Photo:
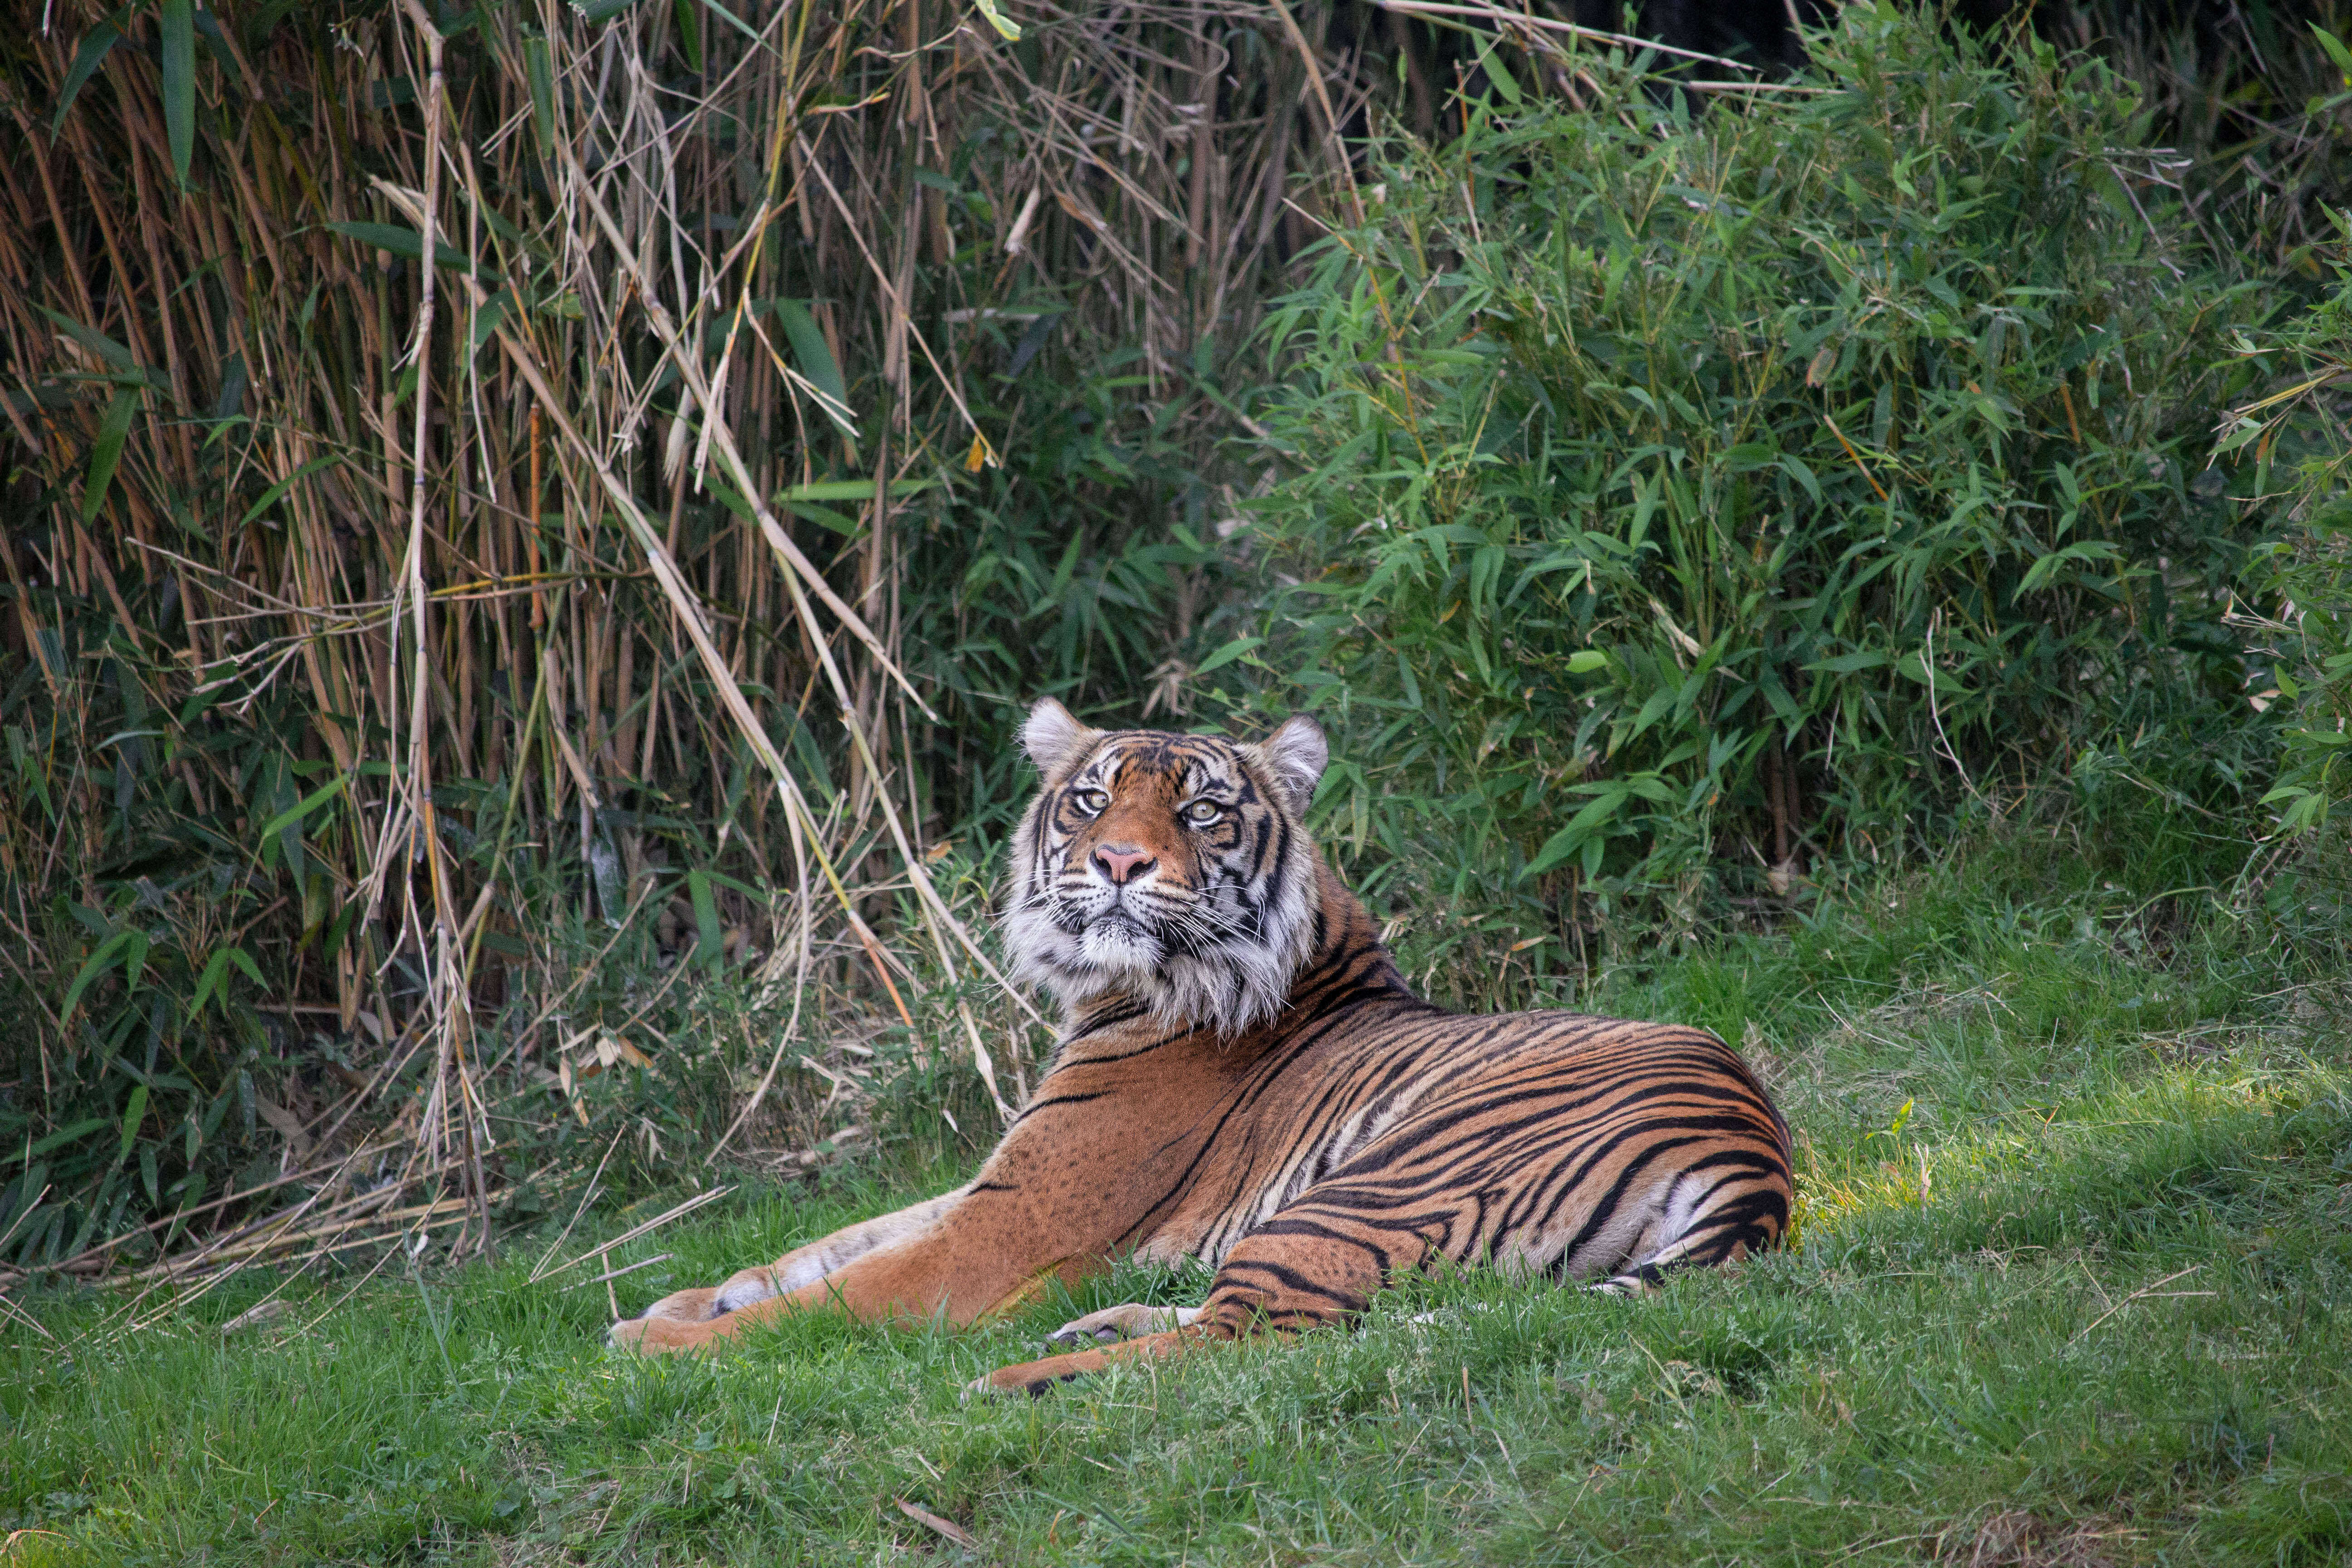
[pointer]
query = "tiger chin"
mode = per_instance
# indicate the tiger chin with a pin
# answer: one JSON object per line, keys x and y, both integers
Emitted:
{"x": 1244, "y": 1079}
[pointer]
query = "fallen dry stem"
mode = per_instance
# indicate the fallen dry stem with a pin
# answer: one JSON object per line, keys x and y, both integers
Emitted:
{"x": 689, "y": 1206}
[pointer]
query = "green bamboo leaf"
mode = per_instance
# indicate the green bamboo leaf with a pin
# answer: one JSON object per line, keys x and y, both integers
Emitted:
{"x": 53, "y": 653}
{"x": 2336, "y": 51}
{"x": 270, "y": 497}
{"x": 486, "y": 320}
{"x": 1847, "y": 663}
{"x": 541, "y": 72}
{"x": 86, "y": 59}
{"x": 130, "y": 1118}
{"x": 215, "y": 970}
{"x": 180, "y": 83}
{"x": 721, "y": 879}
{"x": 302, "y": 809}
{"x": 107, "y": 451}
{"x": 731, "y": 499}
{"x": 1490, "y": 61}
{"x": 81, "y": 1129}
{"x": 96, "y": 342}
{"x": 733, "y": 21}
{"x": 1227, "y": 654}
{"x": 708, "y": 939}
{"x": 97, "y": 963}
{"x": 825, "y": 517}
{"x": 999, "y": 20}
{"x": 850, "y": 489}
{"x": 401, "y": 241}
{"x": 230, "y": 401}
{"x": 816, "y": 362}
{"x": 1558, "y": 848}
{"x": 1584, "y": 832}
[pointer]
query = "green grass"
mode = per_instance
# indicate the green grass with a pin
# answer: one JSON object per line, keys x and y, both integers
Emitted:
{"x": 2085, "y": 1301}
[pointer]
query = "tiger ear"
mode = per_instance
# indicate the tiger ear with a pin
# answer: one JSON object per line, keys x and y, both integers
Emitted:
{"x": 1296, "y": 754}
{"x": 1053, "y": 739}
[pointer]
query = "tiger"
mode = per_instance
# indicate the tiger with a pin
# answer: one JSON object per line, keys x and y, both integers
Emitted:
{"x": 1243, "y": 1078}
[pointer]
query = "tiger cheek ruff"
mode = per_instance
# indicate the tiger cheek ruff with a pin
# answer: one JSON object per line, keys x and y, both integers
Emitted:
{"x": 1244, "y": 1079}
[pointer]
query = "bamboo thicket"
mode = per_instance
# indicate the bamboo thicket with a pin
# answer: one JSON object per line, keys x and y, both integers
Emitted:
{"x": 390, "y": 642}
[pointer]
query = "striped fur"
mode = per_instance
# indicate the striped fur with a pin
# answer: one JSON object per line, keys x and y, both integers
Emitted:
{"x": 1310, "y": 1149}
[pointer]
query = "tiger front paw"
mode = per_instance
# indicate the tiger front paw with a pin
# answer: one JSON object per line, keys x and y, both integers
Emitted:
{"x": 683, "y": 1320}
{"x": 667, "y": 1334}
{"x": 1130, "y": 1320}
{"x": 1035, "y": 1377}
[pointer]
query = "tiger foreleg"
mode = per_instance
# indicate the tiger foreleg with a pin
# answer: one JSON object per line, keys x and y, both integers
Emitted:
{"x": 952, "y": 1274}
{"x": 802, "y": 1266}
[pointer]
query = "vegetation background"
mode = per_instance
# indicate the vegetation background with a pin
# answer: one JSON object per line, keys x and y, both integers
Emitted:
{"x": 523, "y": 741}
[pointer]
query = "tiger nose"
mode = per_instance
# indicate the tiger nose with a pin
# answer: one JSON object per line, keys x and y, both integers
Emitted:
{"x": 1123, "y": 866}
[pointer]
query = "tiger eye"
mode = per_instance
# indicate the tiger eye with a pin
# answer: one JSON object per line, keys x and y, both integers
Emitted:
{"x": 1203, "y": 811}
{"x": 1093, "y": 800}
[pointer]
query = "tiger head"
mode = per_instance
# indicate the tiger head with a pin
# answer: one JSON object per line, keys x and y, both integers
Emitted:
{"x": 1171, "y": 869}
